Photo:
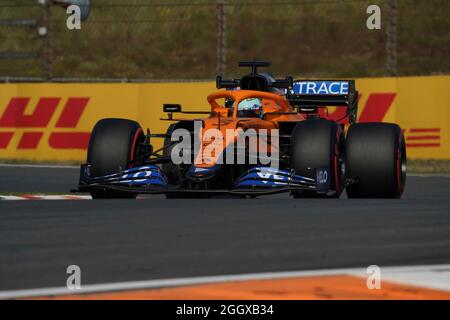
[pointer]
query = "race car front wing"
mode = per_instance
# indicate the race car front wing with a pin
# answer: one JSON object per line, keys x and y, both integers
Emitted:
{"x": 150, "y": 179}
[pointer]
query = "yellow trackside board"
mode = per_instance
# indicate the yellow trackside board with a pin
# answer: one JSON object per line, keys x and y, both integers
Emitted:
{"x": 52, "y": 122}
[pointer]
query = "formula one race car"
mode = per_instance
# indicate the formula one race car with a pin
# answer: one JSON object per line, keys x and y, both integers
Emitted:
{"x": 261, "y": 136}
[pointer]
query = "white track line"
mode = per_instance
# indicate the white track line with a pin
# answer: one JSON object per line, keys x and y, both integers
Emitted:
{"x": 23, "y": 197}
{"x": 45, "y": 197}
{"x": 437, "y": 277}
{"x": 428, "y": 276}
{"x": 11, "y": 198}
{"x": 46, "y": 166}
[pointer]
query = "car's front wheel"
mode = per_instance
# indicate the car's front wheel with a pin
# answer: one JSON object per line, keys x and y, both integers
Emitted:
{"x": 113, "y": 147}
{"x": 318, "y": 143}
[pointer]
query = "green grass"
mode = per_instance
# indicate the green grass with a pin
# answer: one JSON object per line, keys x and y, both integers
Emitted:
{"x": 178, "y": 40}
{"x": 428, "y": 166}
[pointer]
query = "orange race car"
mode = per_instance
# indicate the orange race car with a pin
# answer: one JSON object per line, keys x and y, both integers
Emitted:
{"x": 261, "y": 136}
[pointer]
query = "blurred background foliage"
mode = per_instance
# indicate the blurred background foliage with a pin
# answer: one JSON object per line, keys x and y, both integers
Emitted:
{"x": 178, "y": 39}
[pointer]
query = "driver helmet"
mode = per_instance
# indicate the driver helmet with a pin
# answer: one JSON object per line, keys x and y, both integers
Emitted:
{"x": 250, "y": 108}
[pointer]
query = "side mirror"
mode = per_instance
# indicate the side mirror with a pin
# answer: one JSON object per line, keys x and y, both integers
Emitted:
{"x": 228, "y": 84}
{"x": 85, "y": 6}
{"x": 171, "y": 107}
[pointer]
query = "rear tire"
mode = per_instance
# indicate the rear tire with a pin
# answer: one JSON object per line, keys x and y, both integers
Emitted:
{"x": 112, "y": 146}
{"x": 375, "y": 160}
{"x": 318, "y": 143}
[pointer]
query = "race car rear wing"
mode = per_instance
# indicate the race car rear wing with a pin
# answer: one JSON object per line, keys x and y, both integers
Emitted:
{"x": 310, "y": 94}
{"x": 254, "y": 80}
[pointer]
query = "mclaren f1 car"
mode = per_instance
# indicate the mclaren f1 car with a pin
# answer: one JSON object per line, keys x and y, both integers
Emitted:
{"x": 260, "y": 136}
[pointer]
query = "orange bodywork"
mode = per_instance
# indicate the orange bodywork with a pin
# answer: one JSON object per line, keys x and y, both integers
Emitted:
{"x": 275, "y": 108}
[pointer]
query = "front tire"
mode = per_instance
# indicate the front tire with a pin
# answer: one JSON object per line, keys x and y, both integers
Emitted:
{"x": 113, "y": 146}
{"x": 375, "y": 160}
{"x": 171, "y": 170}
{"x": 318, "y": 143}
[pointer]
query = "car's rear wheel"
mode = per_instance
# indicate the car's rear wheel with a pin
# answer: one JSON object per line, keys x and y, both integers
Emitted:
{"x": 318, "y": 143}
{"x": 375, "y": 160}
{"x": 113, "y": 147}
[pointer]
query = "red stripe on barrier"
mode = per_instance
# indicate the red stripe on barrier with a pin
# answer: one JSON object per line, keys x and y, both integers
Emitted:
{"x": 416, "y": 145}
{"x": 30, "y": 140}
{"x": 423, "y": 138}
{"x": 69, "y": 140}
{"x": 15, "y": 117}
{"x": 377, "y": 106}
{"x": 425, "y": 130}
{"x": 72, "y": 112}
{"x": 5, "y": 139}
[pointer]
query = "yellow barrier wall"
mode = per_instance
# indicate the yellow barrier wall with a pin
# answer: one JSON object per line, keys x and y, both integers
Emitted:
{"x": 421, "y": 107}
{"x": 48, "y": 122}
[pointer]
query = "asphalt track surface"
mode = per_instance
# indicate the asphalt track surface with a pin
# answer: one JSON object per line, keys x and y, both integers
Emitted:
{"x": 155, "y": 238}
